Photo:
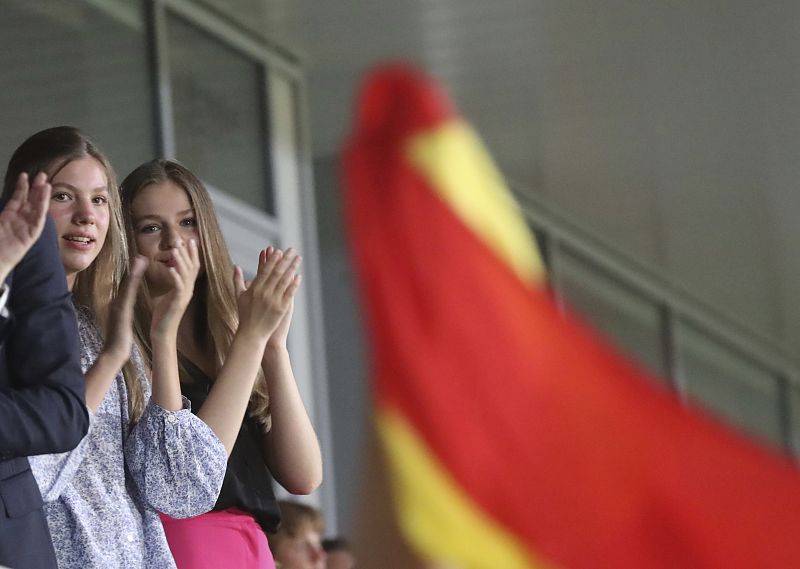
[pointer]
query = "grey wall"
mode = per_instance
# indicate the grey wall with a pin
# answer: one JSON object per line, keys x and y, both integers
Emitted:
{"x": 668, "y": 130}
{"x": 345, "y": 354}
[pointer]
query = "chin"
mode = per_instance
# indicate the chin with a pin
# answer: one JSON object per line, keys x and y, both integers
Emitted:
{"x": 76, "y": 268}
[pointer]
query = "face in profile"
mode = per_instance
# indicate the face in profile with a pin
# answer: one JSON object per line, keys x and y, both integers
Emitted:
{"x": 79, "y": 207}
{"x": 163, "y": 218}
{"x": 302, "y": 550}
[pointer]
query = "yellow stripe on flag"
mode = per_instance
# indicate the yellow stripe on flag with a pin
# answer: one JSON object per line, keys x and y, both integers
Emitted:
{"x": 440, "y": 521}
{"x": 453, "y": 159}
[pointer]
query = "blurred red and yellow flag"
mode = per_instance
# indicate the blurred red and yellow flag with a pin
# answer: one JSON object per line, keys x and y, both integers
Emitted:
{"x": 514, "y": 438}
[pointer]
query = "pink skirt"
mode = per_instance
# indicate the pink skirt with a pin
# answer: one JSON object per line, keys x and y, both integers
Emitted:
{"x": 218, "y": 540}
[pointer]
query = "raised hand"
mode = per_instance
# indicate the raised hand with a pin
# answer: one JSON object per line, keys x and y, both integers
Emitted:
{"x": 280, "y": 336}
{"x": 22, "y": 220}
{"x": 118, "y": 338}
{"x": 265, "y": 306}
{"x": 169, "y": 308}
{"x": 119, "y": 328}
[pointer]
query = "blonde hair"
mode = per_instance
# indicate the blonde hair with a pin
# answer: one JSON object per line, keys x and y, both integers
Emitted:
{"x": 214, "y": 299}
{"x": 49, "y": 151}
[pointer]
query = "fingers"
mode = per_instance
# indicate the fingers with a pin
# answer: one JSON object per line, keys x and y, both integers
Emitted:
{"x": 289, "y": 273}
{"x": 277, "y": 274}
{"x": 177, "y": 281}
{"x": 267, "y": 259}
{"x": 127, "y": 293}
{"x": 120, "y": 320}
{"x": 194, "y": 253}
{"x": 187, "y": 262}
{"x": 20, "y": 190}
{"x": 288, "y": 294}
{"x": 31, "y": 200}
{"x": 138, "y": 267}
{"x": 284, "y": 270}
{"x": 20, "y": 195}
{"x": 135, "y": 278}
{"x": 276, "y": 269}
{"x": 39, "y": 199}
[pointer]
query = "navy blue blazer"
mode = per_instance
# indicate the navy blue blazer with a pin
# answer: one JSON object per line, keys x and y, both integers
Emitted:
{"x": 42, "y": 395}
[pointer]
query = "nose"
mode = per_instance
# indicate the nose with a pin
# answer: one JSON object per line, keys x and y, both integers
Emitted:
{"x": 170, "y": 238}
{"x": 318, "y": 554}
{"x": 84, "y": 213}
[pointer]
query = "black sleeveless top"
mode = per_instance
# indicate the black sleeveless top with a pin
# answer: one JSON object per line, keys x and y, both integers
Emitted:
{"x": 248, "y": 483}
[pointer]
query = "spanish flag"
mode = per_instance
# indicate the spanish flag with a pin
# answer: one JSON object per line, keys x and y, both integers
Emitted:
{"x": 514, "y": 437}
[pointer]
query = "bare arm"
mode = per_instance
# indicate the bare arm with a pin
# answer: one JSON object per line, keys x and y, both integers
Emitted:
{"x": 167, "y": 314}
{"x": 226, "y": 404}
{"x": 291, "y": 446}
{"x": 261, "y": 308}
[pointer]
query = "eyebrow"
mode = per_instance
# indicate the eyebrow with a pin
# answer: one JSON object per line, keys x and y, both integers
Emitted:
{"x": 158, "y": 217}
{"x": 76, "y": 189}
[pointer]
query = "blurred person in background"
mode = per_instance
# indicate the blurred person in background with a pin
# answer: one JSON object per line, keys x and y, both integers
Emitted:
{"x": 297, "y": 543}
{"x": 339, "y": 553}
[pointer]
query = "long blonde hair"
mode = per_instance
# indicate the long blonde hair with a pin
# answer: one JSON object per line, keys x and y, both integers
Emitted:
{"x": 214, "y": 299}
{"x": 49, "y": 151}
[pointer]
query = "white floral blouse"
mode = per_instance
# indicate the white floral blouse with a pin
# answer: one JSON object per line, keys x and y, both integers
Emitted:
{"x": 103, "y": 497}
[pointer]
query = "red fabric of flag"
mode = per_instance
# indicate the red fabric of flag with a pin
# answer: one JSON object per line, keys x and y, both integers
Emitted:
{"x": 545, "y": 431}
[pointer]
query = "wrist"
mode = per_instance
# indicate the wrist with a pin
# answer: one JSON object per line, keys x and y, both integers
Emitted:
{"x": 164, "y": 342}
{"x": 112, "y": 358}
{"x": 250, "y": 339}
{"x": 164, "y": 332}
{"x": 275, "y": 351}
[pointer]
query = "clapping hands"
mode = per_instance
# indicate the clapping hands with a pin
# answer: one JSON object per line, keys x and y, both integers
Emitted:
{"x": 265, "y": 306}
{"x": 168, "y": 309}
{"x": 119, "y": 330}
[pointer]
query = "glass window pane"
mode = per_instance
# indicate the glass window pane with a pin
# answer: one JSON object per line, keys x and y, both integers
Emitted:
{"x": 628, "y": 319}
{"x": 246, "y": 230}
{"x": 76, "y": 63}
{"x": 218, "y": 106}
{"x": 729, "y": 384}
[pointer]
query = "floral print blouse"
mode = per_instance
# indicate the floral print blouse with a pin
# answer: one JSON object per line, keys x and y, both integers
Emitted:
{"x": 102, "y": 499}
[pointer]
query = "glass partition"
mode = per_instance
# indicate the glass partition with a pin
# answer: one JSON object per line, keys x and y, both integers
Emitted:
{"x": 219, "y": 108}
{"x": 92, "y": 72}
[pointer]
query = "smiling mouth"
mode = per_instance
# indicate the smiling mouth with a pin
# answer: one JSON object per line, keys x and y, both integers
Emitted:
{"x": 76, "y": 239}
